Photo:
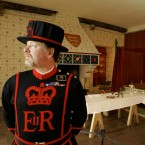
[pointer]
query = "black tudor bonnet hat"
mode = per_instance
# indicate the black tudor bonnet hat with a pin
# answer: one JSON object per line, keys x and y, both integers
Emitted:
{"x": 45, "y": 32}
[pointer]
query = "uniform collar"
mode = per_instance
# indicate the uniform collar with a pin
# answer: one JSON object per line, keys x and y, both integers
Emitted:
{"x": 46, "y": 75}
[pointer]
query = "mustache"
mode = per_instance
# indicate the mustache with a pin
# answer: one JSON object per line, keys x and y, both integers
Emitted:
{"x": 26, "y": 54}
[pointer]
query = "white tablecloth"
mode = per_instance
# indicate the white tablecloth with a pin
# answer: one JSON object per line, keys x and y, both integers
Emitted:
{"x": 97, "y": 103}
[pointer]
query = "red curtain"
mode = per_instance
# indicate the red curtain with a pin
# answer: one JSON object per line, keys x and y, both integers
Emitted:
{"x": 135, "y": 41}
{"x": 134, "y": 45}
{"x": 134, "y": 64}
{"x": 128, "y": 68}
{"x": 117, "y": 78}
{"x": 129, "y": 62}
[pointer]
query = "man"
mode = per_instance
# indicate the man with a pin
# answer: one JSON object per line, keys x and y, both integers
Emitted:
{"x": 43, "y": 106}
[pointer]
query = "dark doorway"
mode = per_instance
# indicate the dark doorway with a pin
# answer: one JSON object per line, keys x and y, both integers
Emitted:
{"x": 74, "y": 69}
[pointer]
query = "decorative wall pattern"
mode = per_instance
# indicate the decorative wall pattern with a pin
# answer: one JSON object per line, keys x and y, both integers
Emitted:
{"x": 105, "y": 38}
{"x": 13, "y": 24}
{"x": 78, "y": 59}
{"x": 71, "y": 25}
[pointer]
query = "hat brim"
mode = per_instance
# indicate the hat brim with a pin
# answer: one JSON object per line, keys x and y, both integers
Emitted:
{"x": 55, "y": 46}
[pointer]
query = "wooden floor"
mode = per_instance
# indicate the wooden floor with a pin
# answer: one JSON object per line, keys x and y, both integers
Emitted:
{"x": 116, "y": 132}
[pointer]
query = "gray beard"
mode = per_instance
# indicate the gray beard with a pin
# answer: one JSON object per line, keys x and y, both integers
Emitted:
{"x": 29, "y": 62}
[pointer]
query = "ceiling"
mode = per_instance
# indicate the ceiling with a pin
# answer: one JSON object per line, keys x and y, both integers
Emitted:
{"x": 122, "y": 13}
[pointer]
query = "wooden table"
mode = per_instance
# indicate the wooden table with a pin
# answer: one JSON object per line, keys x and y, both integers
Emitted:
{"x": 98, "y": 103}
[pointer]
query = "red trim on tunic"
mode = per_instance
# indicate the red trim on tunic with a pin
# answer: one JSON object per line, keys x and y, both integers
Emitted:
{"x": 77, "y": 128}
{"x": 67, "y": 141}
{"x": 11, "y": 129}
{"x": 15, "y": 100}
{"x": 46, "y": 143}
{"x": 15, "y": 143}
{"x": 45, "y": 76}
{"x": 65, "y": 101}
{"x": 70, "y": 142}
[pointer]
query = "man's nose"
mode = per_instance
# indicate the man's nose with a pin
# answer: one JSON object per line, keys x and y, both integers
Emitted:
{"x": 26, "y": 49}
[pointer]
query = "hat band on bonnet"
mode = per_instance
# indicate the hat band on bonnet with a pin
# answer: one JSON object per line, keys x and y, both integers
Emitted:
{"x": 46, "y": 39}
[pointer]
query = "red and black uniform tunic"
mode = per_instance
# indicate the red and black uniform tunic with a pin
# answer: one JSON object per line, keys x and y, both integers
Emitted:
{"x": 44, "y": 109}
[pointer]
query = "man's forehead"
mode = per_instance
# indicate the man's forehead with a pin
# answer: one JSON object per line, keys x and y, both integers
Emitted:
{"x": 35, "y": 42}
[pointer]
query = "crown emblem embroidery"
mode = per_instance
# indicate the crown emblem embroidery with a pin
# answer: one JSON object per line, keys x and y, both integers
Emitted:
{"x": 40, "y": 95}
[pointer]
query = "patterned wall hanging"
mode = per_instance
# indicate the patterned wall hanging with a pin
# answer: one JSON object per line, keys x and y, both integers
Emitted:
{"x": 67, "y": 59}
{"x": 86, "y": 59}
{"x": 77, "y": 59}
{"x": 94, "y": 59}
{"x": 60, "y": 58}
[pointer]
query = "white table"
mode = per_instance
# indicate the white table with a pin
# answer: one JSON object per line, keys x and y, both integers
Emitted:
{"x": 98, "y": 103}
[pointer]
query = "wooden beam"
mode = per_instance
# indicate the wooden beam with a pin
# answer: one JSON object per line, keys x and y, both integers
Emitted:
{"x": 1, "y": 10}
{"x": 25, "y": 8}
{"x": 103, "y": 25}
{"x": 31, "y": 9}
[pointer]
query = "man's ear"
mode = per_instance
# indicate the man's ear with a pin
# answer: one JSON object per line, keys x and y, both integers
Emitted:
{"x": 50, "y": 52}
